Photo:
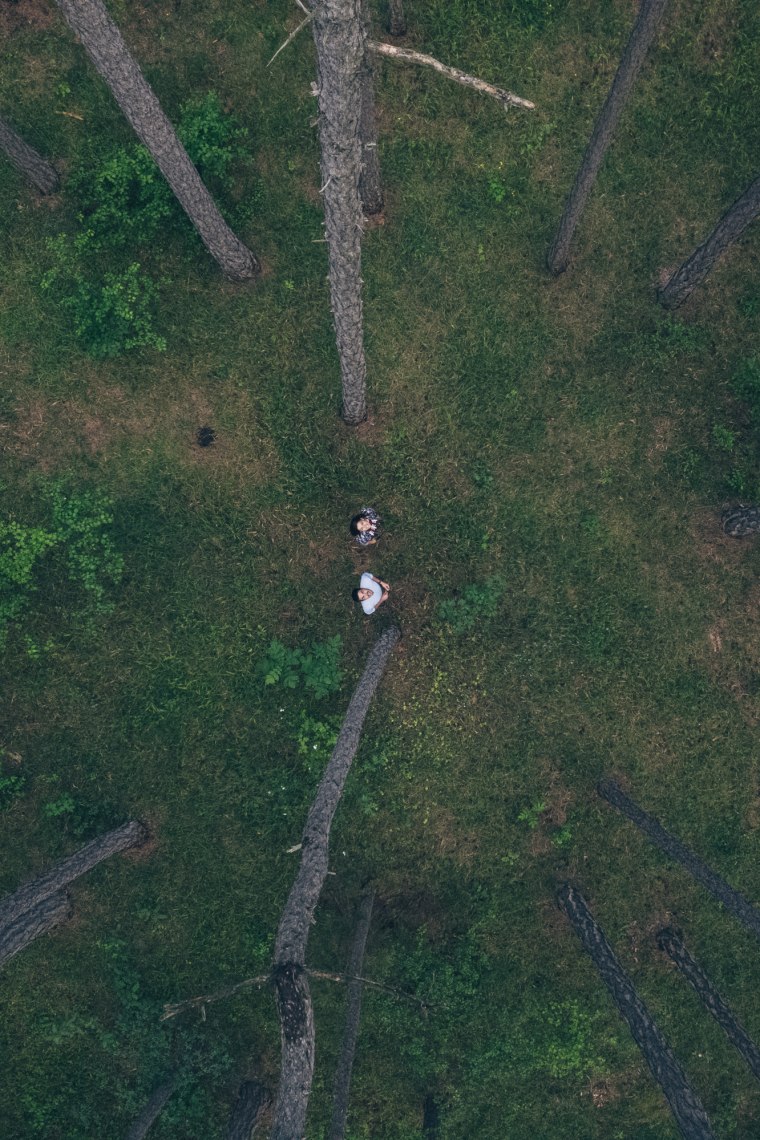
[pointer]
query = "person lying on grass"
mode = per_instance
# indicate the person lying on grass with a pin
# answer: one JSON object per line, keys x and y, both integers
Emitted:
{"x": 365, "y": 527}
{"x": 372, "y": 592}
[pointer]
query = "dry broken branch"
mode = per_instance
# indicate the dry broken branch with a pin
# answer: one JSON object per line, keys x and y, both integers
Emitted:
{"x": 290, "y": 38}
{"x": 404, "y": 55}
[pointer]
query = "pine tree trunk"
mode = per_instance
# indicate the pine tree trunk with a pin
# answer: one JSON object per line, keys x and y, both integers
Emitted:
{"x": 341, "y": 47}
{"x": 39, "y": 920}
{"x": 691, "y": 1118}
{"x": 341, "y": 1095}
{"x": 694, "y": 270}
{"x": 291, "y": 984}
{"x": 26, "y": 159}
{"x": 731, "y": 899}
{"x": 633, "y": 57}
{"x": 370, "y": 182}
{"x": 248, "y": 1111}
{"x": 741, "y": 521}
{"x": 147, "y": 1118}
{"x": 105, "y": 46}
{"x": 29, "y": 896}
{"x": 396, "y": 18}
{"x": 671, "y": 944}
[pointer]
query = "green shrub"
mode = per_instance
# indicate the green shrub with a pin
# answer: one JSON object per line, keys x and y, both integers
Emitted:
{"x": 475, "y": 602}
{"x": 211, "y": 137}
{"x": 122, "y": 202}
{"x": 317, "y": 669}
{"x": 11, "y": 787}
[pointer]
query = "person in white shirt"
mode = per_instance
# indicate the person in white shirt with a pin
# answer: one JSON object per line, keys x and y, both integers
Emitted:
{"x": 372, "y": 592}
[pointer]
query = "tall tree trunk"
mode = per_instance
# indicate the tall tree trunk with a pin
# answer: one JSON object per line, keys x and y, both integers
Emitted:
{"x": 671, "y": 944}
{"x": 31, "y": 894}
{"x": 633, "y": 57}
{"x": 105, "y": 46}
{"x": 731, "y": 899}
{"x": 730, "y": 227}
{"x": 26, "y": 159}
{"x": 340, "y": 40}
{"x": 691, "y": 1118}
{"x": 396, "y": 18}
{"x": 248, "y": 1111}
{"x": 741, "y": 521}
{"x": 341, "y": 1096}
{"x": 39, "y": 920}
{"x": 370, "y": 182}
{"x": 291, "y": 984}
{"x": 431, "y": 1119}
{"x": 147, "y": 1118}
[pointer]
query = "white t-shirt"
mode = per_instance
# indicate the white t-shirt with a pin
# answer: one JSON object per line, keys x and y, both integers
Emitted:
{"x": 369, "y": 605}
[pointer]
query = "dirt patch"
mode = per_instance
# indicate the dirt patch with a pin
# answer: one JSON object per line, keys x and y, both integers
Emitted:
{"x": 37, "y": 14}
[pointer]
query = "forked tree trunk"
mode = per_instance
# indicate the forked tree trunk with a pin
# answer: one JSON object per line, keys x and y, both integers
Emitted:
{"x": 671, "y": 944}
{"x": 31, "y": 894}
{"x": 342, "y": 1093}
{"x": 741, "y": 521}
{"x": 26, "y": 159}
{"x": 691, "y": 1118}
{"x": 291, "y": 983}
{"x": 105, "y": 46}
{"x": 633, "y": 57}
{"x": 248, "y": 1111}
{"x": 731, "y": 899}
{"x": 370, "y": 182}
{"x": 694, "y": 270}
{"x": 39, "y": 920}
{"x": 147, "y": 1118}
{"x": 396, "y": 18}
{"x": 340, "y": 41}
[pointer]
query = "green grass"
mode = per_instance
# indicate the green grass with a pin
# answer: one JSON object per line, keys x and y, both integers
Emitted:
{"x": 559, "y": 436}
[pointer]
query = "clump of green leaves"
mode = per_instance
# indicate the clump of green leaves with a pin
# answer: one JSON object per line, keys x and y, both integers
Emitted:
{"x": 475, "y": 603}
{"x": 11, "y": 787}
{"x": 316, "y": 669}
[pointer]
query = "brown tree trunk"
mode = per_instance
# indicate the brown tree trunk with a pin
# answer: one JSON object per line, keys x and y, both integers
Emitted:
{"x": 145, "y": 1121}
{"x": 691, "y": 1118}
{"x": 741, "y": 521}
{"x": 731, "y": 899}
{"x": 340, "y": 40}
{"x": 396, "y": 18}
{"x": 105, "y": 46}
{"x": 26, "y": 159}
{"x": 291, "y": 984}
{"x": 39, "y": 920}
{"x": 669, "y": 942}
{"x": 634, "y": 55}
{"x": 730, "y": 227}
{"x": 370, "y": 182}
{"x": 248, "y": 1111}
{"x": 31, "y": 894}
{"x": 341, "y": 1095}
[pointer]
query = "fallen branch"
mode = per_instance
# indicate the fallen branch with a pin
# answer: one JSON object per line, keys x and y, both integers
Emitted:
{"x": 291, "y": 37}
{"x": 404, "y": 55}
{"x": 353, "y": 1013}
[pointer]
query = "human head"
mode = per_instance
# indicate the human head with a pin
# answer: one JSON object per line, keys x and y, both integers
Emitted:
{"x": 361, "y": 594}
{"x": 359, "y": 523}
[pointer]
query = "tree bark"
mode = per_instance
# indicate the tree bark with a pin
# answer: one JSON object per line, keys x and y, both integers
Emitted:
{"x": 248, "y": 1111}
{"x": 341, "y": 1096}
{"x": 691, "y": 1118}
{"x": 669, "y": 942}
{"x": 39, "y": 920}
{"x": 370, "y": 182}
{"x": 633, "y": 57}
{"x": 26, "y": 159}
{"x": 340, "y": 41}
{"x": 291, "y": 984}
{"x": 694, "y": 270}
{"x": 105, "y": 46}
{"x": 36, "y": 891}
{"x": 741, "y": 521}
{"x": 145, "y": 1121}
{"x": 731, "y": 899}
{"x": 396, "y": 18}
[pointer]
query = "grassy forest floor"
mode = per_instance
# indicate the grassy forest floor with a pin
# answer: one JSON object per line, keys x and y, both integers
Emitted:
{"x": 562, "y": 447}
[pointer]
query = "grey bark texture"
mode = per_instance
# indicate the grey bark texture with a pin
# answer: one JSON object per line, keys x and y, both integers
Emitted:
{"x": 690, "y": 1117}
{"x": 370, "y": 182}
{"x": 339, "y": 36}
{"x": 252, "y": 1102}
{"x": 147, "y": 1118}
{"x": 741, "y": 521}
{"x": 26, "y": 159}
{"x": 342, "y": 1092}
{"x": 731, "y": 899}
{"x": 696, "y": 267}
{"x": 291, "y": 984}
{"x": 105, "y": 46}
{"x": 670, "y": 943}
{"x": 48, "y": 913}
{"x": 650, "y": 14}
{"x": 396, "y": 18}
{"x": 31, "y": 894}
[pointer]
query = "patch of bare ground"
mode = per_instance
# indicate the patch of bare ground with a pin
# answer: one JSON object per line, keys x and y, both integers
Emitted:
{"x": 603, "y": 1092}
{"x": 451, "y": 841}
{"x": 16, "y": 14}
{"x": 711, "y": 544}
{"x": 662, "y": 435}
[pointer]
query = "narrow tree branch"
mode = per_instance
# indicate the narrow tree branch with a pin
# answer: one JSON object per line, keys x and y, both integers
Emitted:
{"x": 174, "y": 1009}
{"x": 291, "y": 37}
{"x": 353, "y": 1014}
{"x": 147, "y": 1118}
{"x": 404, "y": 55}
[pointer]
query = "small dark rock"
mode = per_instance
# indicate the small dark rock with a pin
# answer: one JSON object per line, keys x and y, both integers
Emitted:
{"x": 205, "y": 436}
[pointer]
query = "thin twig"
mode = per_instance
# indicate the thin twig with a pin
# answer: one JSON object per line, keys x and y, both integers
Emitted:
{"x": 291, "y": 37}
{"x": 404, "y": 55}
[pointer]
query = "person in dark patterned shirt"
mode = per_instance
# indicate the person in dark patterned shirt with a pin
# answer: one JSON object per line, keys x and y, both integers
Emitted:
{"x": 365, "y": 527}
